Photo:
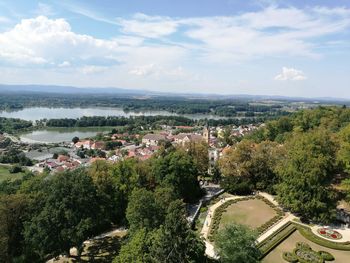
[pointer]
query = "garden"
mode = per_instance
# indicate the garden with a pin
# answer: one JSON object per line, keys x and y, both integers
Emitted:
{"x": 298, "y": 247}
{"x": 244, "y": 211}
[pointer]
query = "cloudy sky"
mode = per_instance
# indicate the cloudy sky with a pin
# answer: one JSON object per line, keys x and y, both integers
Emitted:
{"x": 294, "y": 48}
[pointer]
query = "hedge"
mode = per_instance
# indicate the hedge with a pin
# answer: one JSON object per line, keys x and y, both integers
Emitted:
{"x": 214, "y": 226}
{"x": 272, "y": 241}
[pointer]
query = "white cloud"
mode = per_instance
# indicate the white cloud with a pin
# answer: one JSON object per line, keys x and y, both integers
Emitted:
{"x": 87, "y": 70}
{"x": 290, "y": 74}
{"x": 149, "y": 26}
{"x": 158, "y": 71}
{"x": 143, "y": 70}
{"x": 64, "y": 64}
{"x": 48, "y": 41}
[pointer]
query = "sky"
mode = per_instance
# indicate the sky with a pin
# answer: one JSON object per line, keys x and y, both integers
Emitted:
{"x": 257, "y": 47}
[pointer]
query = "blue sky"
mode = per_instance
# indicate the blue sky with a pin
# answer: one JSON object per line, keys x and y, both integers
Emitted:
{"x": 292, "y": 48}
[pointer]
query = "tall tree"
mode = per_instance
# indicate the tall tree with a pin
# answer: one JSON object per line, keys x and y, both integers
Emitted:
{"x": 306, "y": 174}
{"x": 143, "y": 211}
{"x": 236, "y": 244}
{"x": 175, "y": 242}
{"x": 13, "y": 213}
{"x": 70, "y": 214}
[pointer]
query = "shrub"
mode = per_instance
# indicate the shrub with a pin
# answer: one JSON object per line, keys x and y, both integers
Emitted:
{"x": 290, "y": 257}
{"x": 15, "y": 169}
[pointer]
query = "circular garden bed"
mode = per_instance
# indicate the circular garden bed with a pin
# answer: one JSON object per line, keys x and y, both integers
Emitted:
{"x": 329, "y": 233}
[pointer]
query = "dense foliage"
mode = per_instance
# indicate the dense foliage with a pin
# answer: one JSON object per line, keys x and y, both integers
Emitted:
{"x": 44, "y": 216}
{"x": 10, "y": 125}
{"x": 299, "y": 158}
{"x": 236, "y": 244}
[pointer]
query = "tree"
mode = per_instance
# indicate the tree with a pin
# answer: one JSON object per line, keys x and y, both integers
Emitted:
{"x": 175, "y": 241}
{"x": 136, "y": 250}
{"x": 13, "y": 213}
{"x": 236, "y": 244}
{"x": 236, "y": 168}
{"x": 69, "y": 215}
{"x": 75, "y": 139}
{"x": 199, "y": 153}
{"x": 109, "y": 196}
{"x": 177, "y": 170}
{"x": 143, "y": 210}
{"x": 306, "y": 174}
{"x": 251, "y": 166}
{"x": 343, "y": 154}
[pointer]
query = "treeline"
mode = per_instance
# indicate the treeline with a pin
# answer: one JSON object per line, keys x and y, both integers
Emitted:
{"x": 299, "y": 158}
{"x": 43, "y": 216}
{"x": 10, "y": 124}
{"x": 179, "y": 105}
{"x": 145, "y": 121}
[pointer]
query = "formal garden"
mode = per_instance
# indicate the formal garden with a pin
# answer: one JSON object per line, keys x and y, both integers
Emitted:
{"x": 244, "y": 211}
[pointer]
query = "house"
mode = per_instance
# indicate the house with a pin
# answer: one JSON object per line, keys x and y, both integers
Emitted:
{"x": 153, "y": 139}
{"x": 84, "y": 144}
{"x": 98, "y": 145}
{"x": 62, "y": 158}
{"x": 184, "y": 138}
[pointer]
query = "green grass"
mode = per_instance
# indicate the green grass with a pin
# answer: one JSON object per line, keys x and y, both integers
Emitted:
{"x": 6, "y": 175}
{"x": 245, "y": 212}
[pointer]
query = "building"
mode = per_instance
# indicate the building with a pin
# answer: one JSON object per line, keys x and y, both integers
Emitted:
{"x": 183, "y": 138}
{"x": 153, "y": 139}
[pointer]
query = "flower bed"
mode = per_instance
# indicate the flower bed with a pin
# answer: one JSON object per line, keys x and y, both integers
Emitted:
{"x": 329, "y": 233}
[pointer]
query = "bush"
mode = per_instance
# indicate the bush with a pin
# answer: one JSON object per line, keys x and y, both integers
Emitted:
{"x": 290, "y": 257}
{"x": 237, "y": 185}
{"x": 15, "y": 169}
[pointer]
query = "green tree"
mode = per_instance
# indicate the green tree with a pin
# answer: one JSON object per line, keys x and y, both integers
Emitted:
{"x": 306, "y": 174}
{"x": 236, "y": 244}
{"x": 199, "y": 152}
{"x": 343, "y": 154}
{"x": 175, "y": 242}
{"x": 13, "y": 213}
{"x": 135, "y": 250}
{"x": 177, "y": 170}
{"x": 143, "y": 211}
{"x": 75, "y": 139}
{"x": 69, "y": 215}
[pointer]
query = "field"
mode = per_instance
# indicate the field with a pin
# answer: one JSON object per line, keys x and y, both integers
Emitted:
{"x": 252, "y": 213}
{"x": 5, "y": 174}
{"x": 289, "y": 244}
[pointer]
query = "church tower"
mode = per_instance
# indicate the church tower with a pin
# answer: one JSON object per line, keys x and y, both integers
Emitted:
{"x": 206, "y": 133}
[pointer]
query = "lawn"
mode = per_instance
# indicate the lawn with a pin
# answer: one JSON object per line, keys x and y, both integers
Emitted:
{"x": 252, "y": 213}
{"x": 289, "y": 244}
{"x": 5, "y": 174}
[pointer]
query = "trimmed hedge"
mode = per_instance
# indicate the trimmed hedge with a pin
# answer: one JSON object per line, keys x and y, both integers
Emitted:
{"x": 268, "y": 244}
{"x": 307, "y": 233}
{"x": 214, "y": 226}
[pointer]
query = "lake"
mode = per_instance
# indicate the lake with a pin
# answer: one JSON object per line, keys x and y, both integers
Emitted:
{"x": 66, "y": 134}
{"x": 56, "y": 135}
{"x": 38, "y": 113}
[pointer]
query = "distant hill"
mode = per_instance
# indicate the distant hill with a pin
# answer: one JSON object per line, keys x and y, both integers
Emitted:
{"x": 67, "y": 89}
{"x": 138, "y": 92}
